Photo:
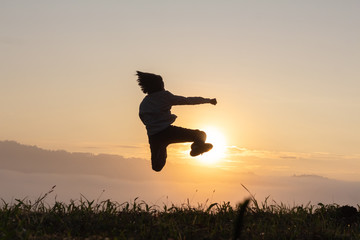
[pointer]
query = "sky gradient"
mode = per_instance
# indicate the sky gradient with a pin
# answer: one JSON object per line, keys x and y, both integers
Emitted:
{"x": 285, "y": 73}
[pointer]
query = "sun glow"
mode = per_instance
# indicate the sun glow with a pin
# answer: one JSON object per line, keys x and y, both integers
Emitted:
{"x": 217, "y": 139}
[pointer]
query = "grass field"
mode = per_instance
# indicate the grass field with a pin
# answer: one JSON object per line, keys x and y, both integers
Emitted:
{"x": 85, "y": 219}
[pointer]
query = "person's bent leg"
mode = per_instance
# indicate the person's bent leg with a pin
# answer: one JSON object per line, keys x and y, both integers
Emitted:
{"x": 158, "y": 154}
{"x": 173, "y": 134}
{"x": 158, "y": 158}
{"x": 200, "y": 148}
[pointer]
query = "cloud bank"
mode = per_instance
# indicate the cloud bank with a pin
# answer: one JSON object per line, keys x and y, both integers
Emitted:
{"x": 28, "y": 171}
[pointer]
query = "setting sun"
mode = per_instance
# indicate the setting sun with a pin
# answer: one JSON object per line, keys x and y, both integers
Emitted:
{"x": 217, "y": 139}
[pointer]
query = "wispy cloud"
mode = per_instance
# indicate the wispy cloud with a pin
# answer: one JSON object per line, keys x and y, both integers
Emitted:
{"x": 275, "y": 163}
{"x": 287, "y": 163}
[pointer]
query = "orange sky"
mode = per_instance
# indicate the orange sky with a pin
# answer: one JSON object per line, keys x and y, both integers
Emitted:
{"x": 285, "y": 75}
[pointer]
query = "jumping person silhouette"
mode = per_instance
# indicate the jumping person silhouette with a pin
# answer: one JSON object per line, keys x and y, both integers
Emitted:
{"x": 155, "y": 113}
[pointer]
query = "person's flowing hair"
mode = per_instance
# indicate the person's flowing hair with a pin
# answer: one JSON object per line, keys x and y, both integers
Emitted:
{"x": 150, "y": 82}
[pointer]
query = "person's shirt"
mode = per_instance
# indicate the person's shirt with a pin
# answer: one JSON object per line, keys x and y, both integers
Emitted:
{"x": 155, "y": 109}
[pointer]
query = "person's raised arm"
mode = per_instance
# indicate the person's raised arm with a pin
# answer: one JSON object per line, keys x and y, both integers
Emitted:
{"x": 180, "y": 100}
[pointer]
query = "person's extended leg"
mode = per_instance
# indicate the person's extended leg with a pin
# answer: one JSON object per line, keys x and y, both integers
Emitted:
{"x": 179, "y": 135}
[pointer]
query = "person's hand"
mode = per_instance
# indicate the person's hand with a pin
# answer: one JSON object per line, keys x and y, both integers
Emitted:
{"x": 213, "y": 101}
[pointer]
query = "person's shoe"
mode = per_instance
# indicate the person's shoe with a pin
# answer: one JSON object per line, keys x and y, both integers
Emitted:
{"x": 197, "y": 149}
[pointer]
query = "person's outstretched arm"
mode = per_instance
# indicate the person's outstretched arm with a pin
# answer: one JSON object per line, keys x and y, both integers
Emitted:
{"x": 180, "y": 100}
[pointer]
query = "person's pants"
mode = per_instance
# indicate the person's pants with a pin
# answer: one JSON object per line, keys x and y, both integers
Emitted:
{"x": 171, "y": 134}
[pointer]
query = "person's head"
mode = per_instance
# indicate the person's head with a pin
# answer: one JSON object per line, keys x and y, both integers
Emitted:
{"x": 150, "y": 82}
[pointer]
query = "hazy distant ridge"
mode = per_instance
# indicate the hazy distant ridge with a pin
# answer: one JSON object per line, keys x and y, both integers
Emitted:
{"x": 31, "y": 159}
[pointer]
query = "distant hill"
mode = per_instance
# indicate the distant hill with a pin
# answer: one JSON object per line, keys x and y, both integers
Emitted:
{"x": 31, "y": 159}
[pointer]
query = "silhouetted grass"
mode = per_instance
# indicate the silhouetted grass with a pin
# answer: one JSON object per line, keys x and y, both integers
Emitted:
{"x": 85, "y": 219}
